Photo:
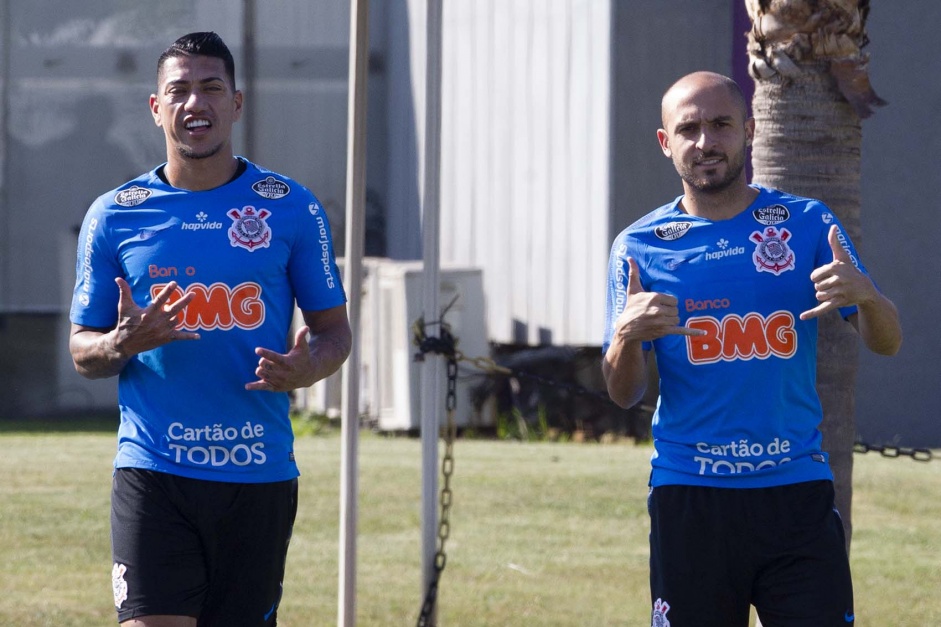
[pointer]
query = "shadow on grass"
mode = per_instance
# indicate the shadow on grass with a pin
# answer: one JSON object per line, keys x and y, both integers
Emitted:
{"x": 87, "y": 422}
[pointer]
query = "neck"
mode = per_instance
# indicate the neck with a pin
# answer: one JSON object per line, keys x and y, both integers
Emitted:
{"x": 720, "y": 205}
{"x": 200, "y": 174}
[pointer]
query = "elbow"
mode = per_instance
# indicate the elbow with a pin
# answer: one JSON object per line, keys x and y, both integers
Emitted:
{"x": 888, "y": 348}
{"x": 622, "y": 396}
{"x": 90, "y": 373}
{"x": 621, "y": 400}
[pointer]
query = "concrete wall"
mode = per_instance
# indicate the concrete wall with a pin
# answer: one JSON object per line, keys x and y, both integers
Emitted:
{"x": 75, "y": 80}
{"x": 898, "y": 398}
{"x": 524, "y": 157}
{"x": 74, "y": 91}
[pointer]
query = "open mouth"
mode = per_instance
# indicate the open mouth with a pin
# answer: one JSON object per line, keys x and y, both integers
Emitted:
{"x": 194, "y": 125}
{"x": 709, "y": 162}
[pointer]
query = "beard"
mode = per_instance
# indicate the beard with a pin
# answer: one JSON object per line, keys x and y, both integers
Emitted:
{"x": 188, "y": 153}
{"x": 735, "y": 165}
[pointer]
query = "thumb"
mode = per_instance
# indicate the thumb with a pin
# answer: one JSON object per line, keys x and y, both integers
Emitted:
{"x": 300, "y": 338}
{"x": 633, "y": 277}
{"x": 839, "y": 253}
{"x": 125, "y": 296}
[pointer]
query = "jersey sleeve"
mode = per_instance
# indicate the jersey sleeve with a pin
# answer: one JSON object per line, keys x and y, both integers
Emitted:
{"x": 95, "y": 296}
{"x": 312, "y": 267}
{"x": 616, "y": 300}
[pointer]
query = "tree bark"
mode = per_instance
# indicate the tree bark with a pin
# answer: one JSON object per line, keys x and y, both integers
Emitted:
{"x": 808, "y": 142}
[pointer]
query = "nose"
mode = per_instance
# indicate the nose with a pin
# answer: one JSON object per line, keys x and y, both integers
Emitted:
{"x": 194, "y": 102}
{"x": 705, "y": 140}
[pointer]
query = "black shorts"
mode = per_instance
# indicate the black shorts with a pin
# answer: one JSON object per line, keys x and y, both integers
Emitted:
{"x": 212, "y": 550}
{"x": 716, "y": 551}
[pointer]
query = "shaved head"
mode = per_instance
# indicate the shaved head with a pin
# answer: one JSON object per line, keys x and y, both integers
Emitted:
{"x": 698, "y": 81}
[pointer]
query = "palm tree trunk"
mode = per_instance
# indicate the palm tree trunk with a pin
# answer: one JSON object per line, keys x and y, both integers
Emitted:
{"x": 808, "y": 142}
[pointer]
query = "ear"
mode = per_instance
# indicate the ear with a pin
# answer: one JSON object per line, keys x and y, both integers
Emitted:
{"x": 749, "y": 131}
{"x": 238, "y": 104}
{"x": 155, "y": 109}
{"x": 664, "y": 140}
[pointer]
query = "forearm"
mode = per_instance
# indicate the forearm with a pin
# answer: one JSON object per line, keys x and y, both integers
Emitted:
{"x": 95, "y": 353}
{"x": 878, "y": 325}
{"x": 625, "y": 373}
{"x": 328, "y": 351}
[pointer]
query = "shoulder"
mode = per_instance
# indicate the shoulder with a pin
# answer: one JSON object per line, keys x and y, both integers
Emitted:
{"x": 660, "y": 222}
{"x": 128, "y": 195}
{"x": 271, "y": 185}
{"x": 774, "y": 202}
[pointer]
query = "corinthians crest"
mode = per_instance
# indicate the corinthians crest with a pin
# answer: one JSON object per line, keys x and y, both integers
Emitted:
{"x": 772, "y": 253}
{"x": 249, "y": 229}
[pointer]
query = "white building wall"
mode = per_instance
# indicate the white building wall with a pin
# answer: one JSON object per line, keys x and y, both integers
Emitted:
{"x": 524, "y": 159}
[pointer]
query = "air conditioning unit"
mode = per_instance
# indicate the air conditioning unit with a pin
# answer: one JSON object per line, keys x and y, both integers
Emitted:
{"x": 390, "y": 378}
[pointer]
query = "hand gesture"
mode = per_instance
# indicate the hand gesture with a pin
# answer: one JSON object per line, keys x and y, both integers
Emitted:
{"x": 839, "y": 283}
{"x": 282, "y": 373}
{"x": 648, "y": 315}
{"x": 142, "y": 329}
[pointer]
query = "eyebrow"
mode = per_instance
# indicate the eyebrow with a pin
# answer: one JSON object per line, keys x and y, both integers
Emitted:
{"x": 718, "y": 118}
{"x": 202, "y": 81}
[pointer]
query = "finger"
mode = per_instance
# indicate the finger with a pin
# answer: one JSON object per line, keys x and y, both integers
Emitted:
{"x": 687, "y": 331}
{"x": 633, "y": 277}
{"x": 839, "y": 253}
{"x": 817, "y": 311}
{"x": 125, "y": 297}
{"x": 164, "y": 295}
{"x": 269, "y": 356}
{"x": 178, "y": 299}
{"x": 260, "y": 386}
{"x": 300, "y": 338}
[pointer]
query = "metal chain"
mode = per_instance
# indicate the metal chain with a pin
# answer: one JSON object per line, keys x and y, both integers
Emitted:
{"x": 489, "y": 366}
{"x": 444, "y": 345}
{"x": 918, "y": 454}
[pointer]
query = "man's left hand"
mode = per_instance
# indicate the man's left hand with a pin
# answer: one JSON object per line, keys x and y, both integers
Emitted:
{"x": 839, "y": 283}
{"x": 283, "y": 373}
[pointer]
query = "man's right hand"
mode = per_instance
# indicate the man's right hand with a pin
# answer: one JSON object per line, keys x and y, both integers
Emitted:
{"x": 648, "y": 315}
{"x": 141, "y": 329}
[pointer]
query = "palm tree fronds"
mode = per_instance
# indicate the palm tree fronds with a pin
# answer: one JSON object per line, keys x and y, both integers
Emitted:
{"x": 788, "y": 33}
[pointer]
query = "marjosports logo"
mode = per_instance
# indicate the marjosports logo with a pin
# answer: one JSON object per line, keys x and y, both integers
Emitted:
{"x": 218, "y": 306}
{"x": 735, "y": 337}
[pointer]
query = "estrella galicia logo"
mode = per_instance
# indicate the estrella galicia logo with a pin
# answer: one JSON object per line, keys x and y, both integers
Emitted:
{"x": 271, "y": 188}
{"x": 770, "y": 216}
{"x": 672, "y": 231}
{"x": 132, "y": 196}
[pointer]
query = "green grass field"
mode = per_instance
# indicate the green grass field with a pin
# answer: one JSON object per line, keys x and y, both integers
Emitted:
{"x": 542, "y": 535}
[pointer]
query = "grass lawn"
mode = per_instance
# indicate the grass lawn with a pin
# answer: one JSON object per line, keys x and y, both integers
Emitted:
{"x": 542, "y": 535}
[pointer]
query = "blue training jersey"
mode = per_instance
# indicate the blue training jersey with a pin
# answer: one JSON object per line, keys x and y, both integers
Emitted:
{"x": 738, "y": 406}
{"x": 248, "y": 250}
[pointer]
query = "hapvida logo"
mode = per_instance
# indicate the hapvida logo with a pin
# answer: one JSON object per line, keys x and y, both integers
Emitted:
{"x": 725, "y": 251}
{"x": 201, "y": 224}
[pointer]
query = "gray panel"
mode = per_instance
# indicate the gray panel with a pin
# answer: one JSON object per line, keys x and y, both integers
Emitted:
{"x": 898, "y": 398}
{"x": 653, "y": 44}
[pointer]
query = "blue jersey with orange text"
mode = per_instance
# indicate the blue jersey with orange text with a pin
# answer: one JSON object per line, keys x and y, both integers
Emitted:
{"x": 738, "y": 406}
{"x": 249, "y": 250}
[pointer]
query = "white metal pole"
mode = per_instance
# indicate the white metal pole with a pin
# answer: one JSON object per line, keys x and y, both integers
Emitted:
{"x": 431, "y": 407}
{"x": 353, "y": 279}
